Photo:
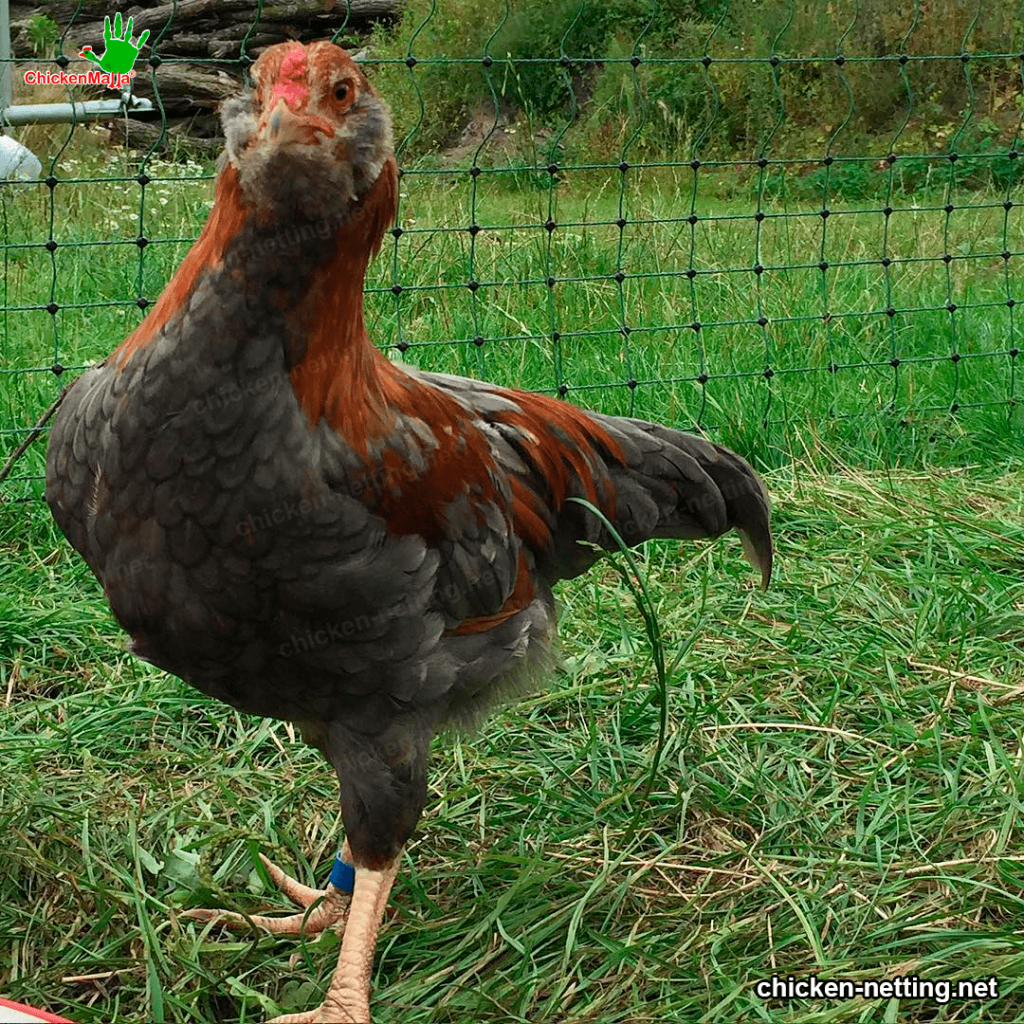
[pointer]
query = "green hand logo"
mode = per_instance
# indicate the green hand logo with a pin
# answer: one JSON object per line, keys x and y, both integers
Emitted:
{"x": 120, "y": 52}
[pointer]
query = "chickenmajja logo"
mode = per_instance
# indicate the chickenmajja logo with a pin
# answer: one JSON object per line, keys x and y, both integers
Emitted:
{"x": 115, "y": 66}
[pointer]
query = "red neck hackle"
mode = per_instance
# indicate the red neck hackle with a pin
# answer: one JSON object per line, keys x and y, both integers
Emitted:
{"x": 341, "y": 377}
{"x": 226, "y": 218}
{"x": 329, "y": 313}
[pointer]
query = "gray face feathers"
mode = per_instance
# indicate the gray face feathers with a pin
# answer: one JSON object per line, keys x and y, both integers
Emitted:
{"x": 312, "y": 138}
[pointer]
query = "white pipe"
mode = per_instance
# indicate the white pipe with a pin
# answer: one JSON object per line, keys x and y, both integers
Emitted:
{"x": 65, "y": 113}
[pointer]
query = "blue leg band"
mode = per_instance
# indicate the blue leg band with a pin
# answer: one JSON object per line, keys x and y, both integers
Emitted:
{"x": 343, "y": 876}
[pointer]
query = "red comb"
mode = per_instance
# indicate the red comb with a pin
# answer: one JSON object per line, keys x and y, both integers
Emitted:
{"x": 290, "y": 84}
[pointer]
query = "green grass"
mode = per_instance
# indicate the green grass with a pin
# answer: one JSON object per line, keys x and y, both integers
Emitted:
{"x": 840, "y": 787}
{"x": 840, "y": 791}
{"x": 864, "y": 411}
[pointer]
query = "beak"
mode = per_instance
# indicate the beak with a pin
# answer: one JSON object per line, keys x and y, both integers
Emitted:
{"x": 283, "y": 126}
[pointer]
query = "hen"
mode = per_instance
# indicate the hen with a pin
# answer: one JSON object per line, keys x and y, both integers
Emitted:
{"x": 296, "y": 525}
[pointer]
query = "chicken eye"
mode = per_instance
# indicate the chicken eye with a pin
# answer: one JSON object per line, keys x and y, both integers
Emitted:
{"x": 341, "y": 92}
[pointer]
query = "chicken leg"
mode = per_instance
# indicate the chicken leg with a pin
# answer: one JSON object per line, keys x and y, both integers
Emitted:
{"x": 331, "y": 913}
{"x": 348, "y": 998}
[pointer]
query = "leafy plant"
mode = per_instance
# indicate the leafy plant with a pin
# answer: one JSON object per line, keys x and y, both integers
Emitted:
{"x": 43, "y": 33}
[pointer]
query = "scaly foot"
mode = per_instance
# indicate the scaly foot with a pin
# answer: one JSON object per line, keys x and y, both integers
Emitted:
{"x": 347, "y": 999}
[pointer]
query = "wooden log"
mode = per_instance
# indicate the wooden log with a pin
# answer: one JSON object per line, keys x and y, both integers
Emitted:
{"x": 361, "y": 9}
{"x": 165, "y": 20}
{"x": 223, "y": 45}
{"x": 181, "y": 15}
{"x": 145, "y": 135}
{"x": 61, "y": 11}
{"x": 186, "y": 88}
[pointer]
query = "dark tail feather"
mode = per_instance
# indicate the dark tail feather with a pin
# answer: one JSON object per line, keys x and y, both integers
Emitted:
{"x": 747, "y": 506}
{"x": 679, "y": 485}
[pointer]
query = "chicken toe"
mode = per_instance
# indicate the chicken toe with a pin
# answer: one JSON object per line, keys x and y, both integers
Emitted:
{"x": 322, "y": 908}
